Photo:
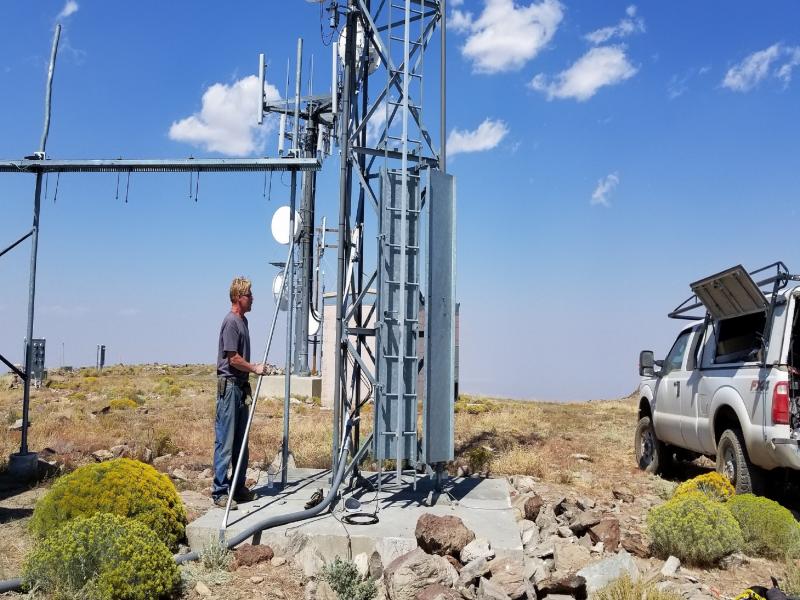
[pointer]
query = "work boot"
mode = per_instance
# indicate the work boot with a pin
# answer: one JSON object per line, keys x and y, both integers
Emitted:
{"x": 244, "y": 495}
{"x": 222, "y": 502}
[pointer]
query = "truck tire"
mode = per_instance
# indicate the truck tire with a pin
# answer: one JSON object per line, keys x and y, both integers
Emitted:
{"x": 733, "y": 462}
{"x": 652, "y": 455}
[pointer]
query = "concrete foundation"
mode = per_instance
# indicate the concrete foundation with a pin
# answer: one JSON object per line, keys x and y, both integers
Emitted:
{"x": 23, "y": 467}
{"x": 483, "y": 504}
{"x": 274, "y": 386}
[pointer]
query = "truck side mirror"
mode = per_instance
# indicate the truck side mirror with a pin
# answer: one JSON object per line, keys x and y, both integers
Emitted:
{"x": 646, "y": 363}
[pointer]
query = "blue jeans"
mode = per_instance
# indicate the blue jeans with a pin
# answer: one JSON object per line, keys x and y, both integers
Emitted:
{"x": 229, "y": 426}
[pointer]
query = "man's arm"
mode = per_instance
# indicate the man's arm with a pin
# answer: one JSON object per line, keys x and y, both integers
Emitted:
{"x": 240, "y": 364}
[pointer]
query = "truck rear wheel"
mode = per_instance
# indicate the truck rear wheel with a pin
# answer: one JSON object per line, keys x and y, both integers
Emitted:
{"x": 652, "y": 455}
{"x": 733, "y": 462}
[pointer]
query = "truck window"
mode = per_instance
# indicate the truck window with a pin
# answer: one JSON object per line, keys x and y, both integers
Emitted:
{"x": 674, "y": 359}
{"x": 739, "y": 338}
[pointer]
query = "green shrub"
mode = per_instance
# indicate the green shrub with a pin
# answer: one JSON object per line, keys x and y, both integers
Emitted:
{"x": 123, "y": 404}
{"x": 102, "y": 557}
{"x": 77, "y": 396}
{"x": 344, "y": 579}
{"x": 694, "y": 528}
{"x": 626, "y": 589}
{"x": 768, "y": 528}
{"x": 479, "y": 459}
{"x": 215, "y": 555}
{"x": 122, "y": 486}
{"x": 714, "y": 485}
{"x": 163, "y": 444}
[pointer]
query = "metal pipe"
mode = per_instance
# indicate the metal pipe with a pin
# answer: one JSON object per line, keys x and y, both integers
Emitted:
{"x": 179, "y": 165}
{"x": 290, "y": 275}
{"x": 49, "y": 93}
{"x": 258, "y": 388}
{"x": 26, "y": 397}
{"x": 443, "y": 89}
{"x": 343, "y": 249}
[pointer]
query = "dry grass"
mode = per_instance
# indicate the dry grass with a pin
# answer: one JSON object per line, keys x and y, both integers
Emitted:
{"x": 176, "y": 414}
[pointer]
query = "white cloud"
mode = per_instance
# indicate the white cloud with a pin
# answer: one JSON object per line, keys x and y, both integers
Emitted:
{"x": 627, "y": 26}
{"x": 70, "y": 8}
{"x": 459, "y": 21}
{"x": 746, "y": 75}
{"x": 487, "y": 136}
{"x": 505, "y": 36}
{"x": 602, "y": 66}
{"x": 227, "y": 122}
{"x": 784, "y": 73}
{"x": 679, "y": 83}
{"x": 605, "y": 185}
{"x": 455, "y": 3}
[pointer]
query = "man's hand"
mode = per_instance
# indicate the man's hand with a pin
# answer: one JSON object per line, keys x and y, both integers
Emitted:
{"x": 259, "y": 368}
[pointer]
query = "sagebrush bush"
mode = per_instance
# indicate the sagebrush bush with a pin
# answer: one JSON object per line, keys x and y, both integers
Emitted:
{"x": 124, "y": 487}
{"x": 123, "y": 404}
{"x": 694, "y": 528}
{"x": 102, "y": 557}
{"x": 343, "y": 577}
{"x": 769, "y": 529}
{"x": 626, "y": 589}
{"x": 714, "y": 485}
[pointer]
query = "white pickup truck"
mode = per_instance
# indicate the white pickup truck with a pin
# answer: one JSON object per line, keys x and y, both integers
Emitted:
{"x": 730, "y": 386}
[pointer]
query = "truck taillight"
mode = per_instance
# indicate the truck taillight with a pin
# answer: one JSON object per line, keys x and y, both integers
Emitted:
{"x": 780, "y": 403}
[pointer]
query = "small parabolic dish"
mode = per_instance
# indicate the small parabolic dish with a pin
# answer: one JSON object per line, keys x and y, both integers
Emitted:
{"x": 281, "y": 299}
{"x": 374, "y": 57}
{"x": 313, "y": 324}
{"x": 281, "y": 221}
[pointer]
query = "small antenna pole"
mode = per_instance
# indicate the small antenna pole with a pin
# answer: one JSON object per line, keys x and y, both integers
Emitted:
{"x": 261, "y": 78}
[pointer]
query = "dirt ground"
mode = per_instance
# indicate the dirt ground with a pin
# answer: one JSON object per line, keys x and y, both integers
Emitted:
{"x": 165, "y": 413}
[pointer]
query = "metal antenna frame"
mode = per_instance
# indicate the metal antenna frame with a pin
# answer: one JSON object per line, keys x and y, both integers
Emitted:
{"x": 396, "y": 162}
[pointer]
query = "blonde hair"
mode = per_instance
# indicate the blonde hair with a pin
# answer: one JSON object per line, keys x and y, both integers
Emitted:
{"x": 240, "y": 286}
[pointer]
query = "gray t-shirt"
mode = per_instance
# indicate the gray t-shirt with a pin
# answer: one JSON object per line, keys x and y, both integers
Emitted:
{"x": 234, "y": 336}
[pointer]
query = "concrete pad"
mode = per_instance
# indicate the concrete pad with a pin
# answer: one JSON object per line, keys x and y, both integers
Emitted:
{"x": 483, "y": 504}
{"x": 274, "y": 386}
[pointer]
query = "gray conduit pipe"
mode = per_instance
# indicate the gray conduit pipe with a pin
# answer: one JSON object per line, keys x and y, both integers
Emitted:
{"x": 10, "y": 585}
{"x": 279, "y": 520}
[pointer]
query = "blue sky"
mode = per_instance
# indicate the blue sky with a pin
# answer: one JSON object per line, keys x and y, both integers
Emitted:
{"x": 610, "y": 153}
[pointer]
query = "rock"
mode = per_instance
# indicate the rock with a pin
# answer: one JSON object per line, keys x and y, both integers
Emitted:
{"x": 547, "y": 522}
{"x": 530, "y": 536}
{"x": 585, "y": 503}
{"x": 583, "y": 520}
{"x": 532, "y": 507}
{"x": 202, "y": 589}
{"x": 180, "y": 475}
{"x": 570, "y": 557}
{"x": 606, "y": 531}
{"x": 565, "y": 532}
{"x": 571, "y": 585}
{"x": 622, "y": 493}
{"x": 536, "y": 569}
{"x": 437, "y": 592}
{"x": 325, "y": 592}
{"x": 477, "y": 548}
{"x": 557, "y": 597}
{"x": 471, "y": 571}
{"x": 277, "y": 561}
{"x": 671, "y": 566}
{"x": 442, "y": 535}
{"x": 160, "y": 462}
{"x": 375, "y": 566}
{"x": 248, "y": 555}
{"x": 509, "y": 574}
{"x": 256, "y": 579}
{"x": 206, "y": 474}
{"x": 600, "y": 574}
{"x": 524, "y": 484}
{"x": 410, "y": 573}
{"x": 490, "y": 591}
{"x": 585, "y": 541}
{"x": 147, "y": 455}
{"x": 310, "y": 560}
{"x": 583, "y": 457}
{"x": 737, "y": 559}
{"x": 102, "y": 455}
{"x": 121, "y": 450}
{"x": 17, "y": 425}
{"x": 454, "y": 561}
{"x": 361, "y": 562}
{"x": 635, "y": 544}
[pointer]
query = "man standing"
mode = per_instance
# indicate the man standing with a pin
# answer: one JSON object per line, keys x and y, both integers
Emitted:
{"x": 233, "y": 391}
